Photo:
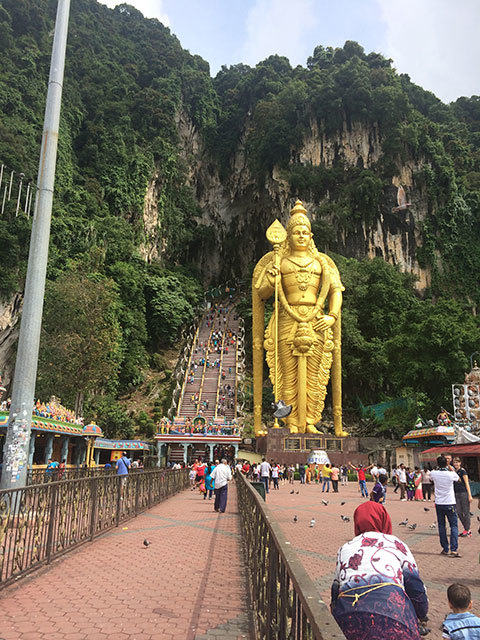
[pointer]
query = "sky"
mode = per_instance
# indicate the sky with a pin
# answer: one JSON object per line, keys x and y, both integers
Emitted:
{"x": 435, "y": 41}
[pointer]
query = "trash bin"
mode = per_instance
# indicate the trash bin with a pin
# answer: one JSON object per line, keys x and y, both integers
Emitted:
{"x": 260, "y": 487}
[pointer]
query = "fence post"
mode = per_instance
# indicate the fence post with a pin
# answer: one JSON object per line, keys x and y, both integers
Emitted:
{"x": 93, "y": 498}
{"x": 119, "y": 500}
{"x": 137, "y": 491}
{"x": 51, "y": 522}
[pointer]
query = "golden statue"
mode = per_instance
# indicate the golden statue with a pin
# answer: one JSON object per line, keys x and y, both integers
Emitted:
{"x": 302, "y": 341}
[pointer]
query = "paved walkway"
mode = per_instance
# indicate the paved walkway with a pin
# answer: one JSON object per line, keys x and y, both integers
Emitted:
{"x": 188, "y": 584}
{"x": 318, "y": 546}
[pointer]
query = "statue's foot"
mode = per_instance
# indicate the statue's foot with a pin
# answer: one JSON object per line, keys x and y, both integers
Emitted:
{"x": 311, "y": 429}
{"x": 341, "y": 434}
{"x": 259, "y": 434}
{"x": 292, "y": 428}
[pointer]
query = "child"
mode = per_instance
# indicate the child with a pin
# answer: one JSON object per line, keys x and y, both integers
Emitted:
{"x": 379, "y": 492}
{"x": 461, "y": 624}
{"x": 192, "y": 475}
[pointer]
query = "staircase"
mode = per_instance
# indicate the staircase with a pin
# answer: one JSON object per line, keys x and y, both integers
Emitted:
{"x": 209, "y": 387}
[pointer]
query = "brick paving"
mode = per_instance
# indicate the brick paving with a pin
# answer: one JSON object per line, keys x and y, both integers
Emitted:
{"x": 188, "y": 584}
{"x": 317, "y": 547}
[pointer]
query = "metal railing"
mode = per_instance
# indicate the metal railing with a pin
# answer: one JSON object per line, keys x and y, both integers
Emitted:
{"x": 286, "y": 604}
{"x": 41, "y": 522}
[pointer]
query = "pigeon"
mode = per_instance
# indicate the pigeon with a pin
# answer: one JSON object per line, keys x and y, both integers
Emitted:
{"x": 404, "y": 523}
{"x": 292, "y": 491}
{"x": 342, "y": 503}
{"x": 345, "y": 518}
{"x": 426, "y": 509}
{"x": 312, "y": 522}
{"x": 297, "y": 492}
{"x": 325, "y": 502}
{"x": 146, "y": 543}
{"x": 478, "y": 518}
{"x": 433, "y": 526}
{"x": 412, "y": 526}
{"x": 282, "y": 410}
{"x": 295, "y": 518}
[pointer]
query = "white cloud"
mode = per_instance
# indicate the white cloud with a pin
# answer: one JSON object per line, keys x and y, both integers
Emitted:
{"x": 279, "y": 26}
{"x": 149, "y": 8}
{"x": 436, "y": 42}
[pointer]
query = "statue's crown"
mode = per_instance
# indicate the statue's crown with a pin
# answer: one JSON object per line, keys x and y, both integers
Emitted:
{"x": 298, "y": 215}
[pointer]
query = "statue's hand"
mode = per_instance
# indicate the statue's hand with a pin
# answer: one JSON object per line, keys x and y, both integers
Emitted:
{"x": 272, "y": 273}
{"x": 323, "y": 323}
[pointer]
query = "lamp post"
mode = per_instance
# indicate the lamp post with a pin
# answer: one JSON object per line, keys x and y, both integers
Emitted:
{"x": 15, "y": 452}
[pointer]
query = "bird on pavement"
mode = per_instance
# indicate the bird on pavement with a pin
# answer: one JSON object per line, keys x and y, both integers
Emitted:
{"x": 292, "y": 491}
{"x": 342, "y": 503}
{"x": 404, "y": 523}
{"x": 325, "y": 502}
{"x": 345, "y": 518}
{"x": 426, "y": 509}
{"x": 146, "y": 543}
{"x": 412, "y": 526}
{"x": 297, "y": 492}
{"x": 312, "y": 522}
{"x": 433, "y": 526}
{"x": 295, "y": 518}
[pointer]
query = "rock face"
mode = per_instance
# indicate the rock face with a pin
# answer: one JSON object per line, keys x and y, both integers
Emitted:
{"x": 9, "y": 325}
{"x": 238, "y": 212}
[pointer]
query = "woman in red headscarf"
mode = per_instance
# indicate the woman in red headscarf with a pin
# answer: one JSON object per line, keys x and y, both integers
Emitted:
{"x": 377, "y": 593}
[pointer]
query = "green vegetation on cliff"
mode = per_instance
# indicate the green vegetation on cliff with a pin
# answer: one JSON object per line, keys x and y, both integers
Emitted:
{"x": 130, "y": 92}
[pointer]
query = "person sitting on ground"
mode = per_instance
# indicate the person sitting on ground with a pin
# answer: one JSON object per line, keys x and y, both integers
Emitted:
{"x": 461, "y": 624}
{"x": 377, "y": 593}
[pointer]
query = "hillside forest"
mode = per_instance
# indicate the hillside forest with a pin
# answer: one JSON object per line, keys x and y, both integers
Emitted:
{"x": 167, "y": 179}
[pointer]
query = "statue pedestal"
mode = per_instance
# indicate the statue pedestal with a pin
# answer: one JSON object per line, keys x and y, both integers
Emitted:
{"x": 286, "y": 448}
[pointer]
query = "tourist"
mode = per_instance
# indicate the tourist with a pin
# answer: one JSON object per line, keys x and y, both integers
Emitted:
{"x": 221, "y": 475}
{"x": 426, "y": 484}
{"x": 291, "y": 474}
{"x": 377, "y": 574}
{"x": 374, "y": 472}
{"x": 275, "y": 475}
{"x": 265, "y": 469}
{"x": 334, "y": 478}
{"x": 192, "y": 474}
{"x": 361, "y": 478}
{"x": 61, "y": 468}
{"x": 394, "y": 479}
{"x": 410, "y": 483}
{"x": 418, "y": 485}
{"x": 445, "y": 506}
{"x": 461, "y": 624}
{"x": 402, "y": 481}
{"x": 344, "y": 472}
{"x": 51, "y": 470}
{"x": 379, "y": 491}
{"x": 301, "y": 473}
{"x": 122, "y": 466}
{"x": 463, "y": 497}
{"x": 326, "y": 473}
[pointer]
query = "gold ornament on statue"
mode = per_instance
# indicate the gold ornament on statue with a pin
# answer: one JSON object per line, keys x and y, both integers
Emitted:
{"x": 302, "y": 340}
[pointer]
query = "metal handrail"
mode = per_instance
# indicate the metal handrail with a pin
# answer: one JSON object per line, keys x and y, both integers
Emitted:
{"x": 286, "y": 604}
{"x": 39, "y": 523}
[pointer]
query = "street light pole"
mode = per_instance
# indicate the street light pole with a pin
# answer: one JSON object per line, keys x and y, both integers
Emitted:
{"x": 15, "y": 452}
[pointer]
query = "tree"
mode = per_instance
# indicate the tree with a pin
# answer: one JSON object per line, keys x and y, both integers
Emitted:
{"x": 81, "y": 346}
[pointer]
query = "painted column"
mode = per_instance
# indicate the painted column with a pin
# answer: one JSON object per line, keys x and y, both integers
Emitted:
{"x": 159, "y": 453}
{"x": 212, "y": 447}
{"x": 48, "y": 448}
{"x": 83, "y": 453}
{"x": 185, "y": 452}
{"x": 235, "y": 446}
{"x": 97, "y": 456}
{"x": 64, "y": 451}
{"x": 31, "y": 447}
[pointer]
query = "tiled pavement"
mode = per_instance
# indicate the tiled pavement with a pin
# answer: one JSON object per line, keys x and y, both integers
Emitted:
{"x": 317, "y": 547}
{"x": 188, "y": 584}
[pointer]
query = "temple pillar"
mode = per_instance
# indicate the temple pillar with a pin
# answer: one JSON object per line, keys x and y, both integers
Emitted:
{"x": 185, "y": 452}
{"x": 212, "y": 447}
{"x": 48, "y": 448}
{"x": 31, "y": 447}
{"x": 64, "y": 451}
{"x": 235, "y": 447}
{"x": 159, "y": 453}
{"x": 96, "y": 456}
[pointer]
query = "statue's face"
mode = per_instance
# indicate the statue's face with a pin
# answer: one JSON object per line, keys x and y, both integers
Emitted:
{"x": 300, "y": 237}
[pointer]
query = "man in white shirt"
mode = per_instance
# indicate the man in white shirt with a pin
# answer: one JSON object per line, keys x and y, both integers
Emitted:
{"x": 222, "y": 474}
{"x": 374, "y": 473}
{"x": 265, "y": 469}
{"x": 402, "y": 481}
{"x": 445, "y": 505}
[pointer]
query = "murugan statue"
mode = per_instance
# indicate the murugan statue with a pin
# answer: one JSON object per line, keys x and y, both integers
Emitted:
{"x": 302, "y": 340}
